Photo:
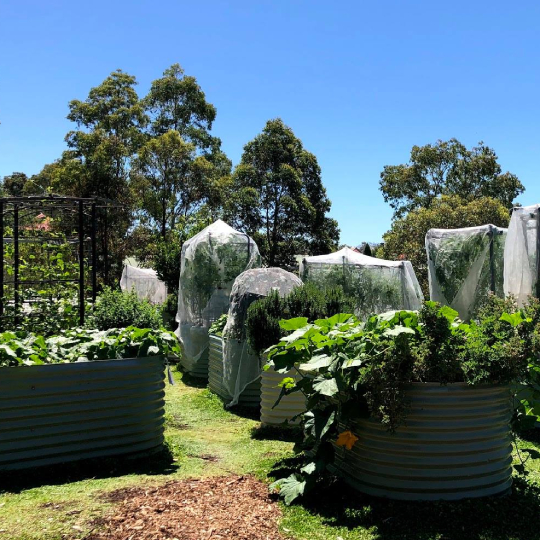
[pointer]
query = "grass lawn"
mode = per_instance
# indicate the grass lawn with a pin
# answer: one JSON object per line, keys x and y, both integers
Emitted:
{"x": 206, "y": 440}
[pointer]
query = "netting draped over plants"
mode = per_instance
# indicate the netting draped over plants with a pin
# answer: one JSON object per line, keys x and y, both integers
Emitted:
{"x": 464, "y": 265}
{"x": 210, "y": 262}
{"x": 240, "y": 365}
{"x": 144, "y": 282}
{"x": 376, "y": 285}
{"x": 522, "y": 253}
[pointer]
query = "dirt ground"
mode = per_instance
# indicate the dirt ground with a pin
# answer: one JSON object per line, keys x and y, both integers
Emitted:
{"x": 222, "y": 508}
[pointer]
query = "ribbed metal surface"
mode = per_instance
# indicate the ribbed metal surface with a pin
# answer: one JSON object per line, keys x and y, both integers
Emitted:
{"x": 456, "y": 444}
{"x": 196, "y": 368}
{"x": 65, "y": 412}
{"x": 288, "y": 407}
{"x": 250, "y": 397}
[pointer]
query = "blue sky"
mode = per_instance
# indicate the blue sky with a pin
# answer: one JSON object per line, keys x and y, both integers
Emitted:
{"x": 359, "y": 82}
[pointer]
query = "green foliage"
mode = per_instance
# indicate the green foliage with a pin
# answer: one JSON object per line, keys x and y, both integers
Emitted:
{"x": 350, "y": 368}
{"x": 176, "y": 102}
{"x": 171, "y": 183}
{"x": 46, "y": 260}
{"x": 117, "y": 309}
{"x": 13, "y": 184}
{"x": 27, "y": 349}
{"x": 166, "y": 261}
{"x": 406, "y": 238}
{"x": 262, "y": 322}
{"x": 216, "y": 328}
{"x": 263, "y": 318}
{"x": 278, "y": 198}
{"x": 371, "y": 289}
{"x": 447, "y": 168}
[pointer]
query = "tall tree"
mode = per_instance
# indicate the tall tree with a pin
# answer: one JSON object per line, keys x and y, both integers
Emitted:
{"x": 177, "y": 102}
{"x": 278, "y": 197}
{"x": 13, "y": 184}
{"x": 111, "y": 118}
{"x": 110, "y": 123}
{"x": 447, "y": 168}
{"x": 170, "y": 181}
{"x": 406, "y": 238}
{"x": 181, "y": 167}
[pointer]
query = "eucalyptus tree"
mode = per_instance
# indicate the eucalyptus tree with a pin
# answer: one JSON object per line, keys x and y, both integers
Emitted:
{"x": 447, "y": 168}
{"x": 279, "y": 199}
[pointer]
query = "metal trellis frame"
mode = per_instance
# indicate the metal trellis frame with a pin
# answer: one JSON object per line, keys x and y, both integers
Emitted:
{"x": 17, "y": 213}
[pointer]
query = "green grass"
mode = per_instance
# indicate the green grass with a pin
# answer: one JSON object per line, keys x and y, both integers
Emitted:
{"x": 204, "y": 440}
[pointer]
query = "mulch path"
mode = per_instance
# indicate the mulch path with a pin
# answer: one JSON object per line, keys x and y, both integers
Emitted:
{"x": 222, "y": 508}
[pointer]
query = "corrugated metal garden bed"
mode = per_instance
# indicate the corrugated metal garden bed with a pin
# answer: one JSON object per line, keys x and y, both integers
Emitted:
{"x": 66, "y": 412}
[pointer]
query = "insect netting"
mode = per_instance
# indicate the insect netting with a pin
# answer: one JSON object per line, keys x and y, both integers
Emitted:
{"x": 521, "y": 254}
{"x": 241, "y": 366}
{"x": 210, "y": 262}
{"x": 465, "y": 265}
{"x": 375, "y": 285}
{"x": 145, "y": 283}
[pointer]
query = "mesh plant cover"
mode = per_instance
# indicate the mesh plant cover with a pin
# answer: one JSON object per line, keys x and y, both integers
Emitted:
{"x": 210, "y": 262}
{"x": 464, "y": 265}
{"x": 375, "y": 285}
{"x": 521, "y": 254}
{"x": 241, "y": 366}
{"x": 144, "y": 282}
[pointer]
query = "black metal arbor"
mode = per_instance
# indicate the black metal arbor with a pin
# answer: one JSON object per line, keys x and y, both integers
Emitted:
{"x": 78, "y": 219}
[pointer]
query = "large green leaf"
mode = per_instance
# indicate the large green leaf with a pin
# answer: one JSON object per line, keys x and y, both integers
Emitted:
{"x": 293, "y": 324}
{"x": 290, "y": 488}
{"x": 398, "y": 330}
{"x": 326, "y": 387}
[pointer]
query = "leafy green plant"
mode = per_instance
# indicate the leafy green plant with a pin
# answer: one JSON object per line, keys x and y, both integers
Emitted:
{"x": 117, "y": 309}
{"x": 27, "y": 349}
{"x": 370, "y": 289}
{"x": 309, "y": 300}
{"x": 350, "y": 368}
{"x": 48, "y": 281}
{"x": 216, "y": 328}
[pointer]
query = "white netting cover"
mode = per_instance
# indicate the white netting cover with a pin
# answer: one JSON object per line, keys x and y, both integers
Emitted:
{"x": 145, "y": 283}
{"x": 240, "y": 365}
{"x": 210, "y": 262}
{"x": 521, "y": 254}
{"x": 375, "y": 285}
{"x": 464, "y": 265}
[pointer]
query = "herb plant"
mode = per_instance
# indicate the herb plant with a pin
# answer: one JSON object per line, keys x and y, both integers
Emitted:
{"x": 308, "y": 300}
{"x": 118, "y": 309}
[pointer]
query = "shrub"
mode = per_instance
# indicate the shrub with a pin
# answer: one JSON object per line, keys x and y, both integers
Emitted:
{"x": 117, "y": 309}
{"x": 262, "y": 322}
{"x": 167, "y": 263}
{"x": 169, "y": 311}
{"x": 310, "y": 301}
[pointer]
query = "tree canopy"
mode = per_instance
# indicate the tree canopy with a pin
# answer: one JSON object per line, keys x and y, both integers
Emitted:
{"x": 447, "y": 168}
{"x": 279, "y": 199}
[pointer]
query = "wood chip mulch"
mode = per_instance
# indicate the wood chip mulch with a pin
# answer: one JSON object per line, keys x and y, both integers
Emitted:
{"x": 223, "y": 508}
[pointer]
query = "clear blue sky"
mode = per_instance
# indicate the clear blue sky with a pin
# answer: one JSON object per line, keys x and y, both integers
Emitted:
{"x": 359, "y": 82}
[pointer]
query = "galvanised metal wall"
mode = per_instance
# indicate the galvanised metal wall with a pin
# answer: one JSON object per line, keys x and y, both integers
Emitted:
{"x": 288, "y": 407}
{"x": 455, "y": 443}
{"x": 65, "y": 412}
{"x": 196, "y": 368}
{"x": 250, "y": 397}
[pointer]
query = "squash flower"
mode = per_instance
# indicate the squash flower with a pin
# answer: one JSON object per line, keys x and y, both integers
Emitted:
{"x": 346, "y": 439}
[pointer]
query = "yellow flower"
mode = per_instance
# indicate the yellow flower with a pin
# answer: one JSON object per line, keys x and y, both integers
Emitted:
{"x": 346, "y": 439}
